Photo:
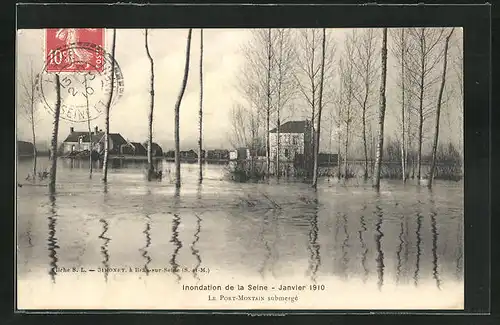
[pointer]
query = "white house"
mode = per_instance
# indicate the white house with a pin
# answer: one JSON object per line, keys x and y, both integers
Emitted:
{"x": 295, "y": 138}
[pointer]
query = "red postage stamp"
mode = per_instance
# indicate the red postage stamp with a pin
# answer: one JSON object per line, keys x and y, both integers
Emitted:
{"x": 64, "y": 53}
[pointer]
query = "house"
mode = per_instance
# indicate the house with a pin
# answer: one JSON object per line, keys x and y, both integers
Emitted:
{"x": 191, "y": 154}
{"x": 25, "y": 149}
{"x": 81, "y": 140}
{"x": 217, "y": 154}
{"x": 134, "y": 148}
{"x": 295, "y": 139}
{"x": 116, "y": 143}
{"x": 156, "y": 150}
{"x": 239, "y": 154}
{"x": 78, "y": 141}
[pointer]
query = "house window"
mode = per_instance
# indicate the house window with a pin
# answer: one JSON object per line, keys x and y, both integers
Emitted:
{"x": 286, "y": 152}
{"x": 295, "y": 140}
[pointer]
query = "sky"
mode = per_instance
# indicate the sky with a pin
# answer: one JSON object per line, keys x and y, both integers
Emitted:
{"x": 223, "y": 60}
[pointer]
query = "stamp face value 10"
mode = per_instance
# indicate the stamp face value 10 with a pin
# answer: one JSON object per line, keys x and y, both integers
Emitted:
{"x": 63, "y": 56}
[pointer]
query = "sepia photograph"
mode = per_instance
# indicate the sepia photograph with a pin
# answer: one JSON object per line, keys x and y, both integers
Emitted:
{"x": 240, "y": 169}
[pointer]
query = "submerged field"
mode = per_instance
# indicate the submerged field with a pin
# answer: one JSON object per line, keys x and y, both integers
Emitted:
{"x": 387, "y": 247}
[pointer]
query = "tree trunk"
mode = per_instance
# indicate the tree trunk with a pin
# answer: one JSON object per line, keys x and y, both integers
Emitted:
{"x": 177, "y": 109}
{"x": 89, "y": 127}
{"x": 346, "y": 146}
{"x": 34, "y": 143}
{"x": 150, "y": 170}
{"x": 403, "y": 151}
{"x": 200, "y": 121}
{"x": 339, "y": 161}
{"x": 55, "y": 131}
{"x": 320, "y": 108}
{"x": 421, "y": 112}
{"x": 268, "y": 111}
{"x": 438, "y": 109}
{"x": 108, "y": 106}
{"x": 381, "y": 115}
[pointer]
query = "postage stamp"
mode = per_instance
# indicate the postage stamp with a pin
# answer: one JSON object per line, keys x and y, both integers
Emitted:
{"x": 85, "y": 70}
{"x": 76, "y": 59}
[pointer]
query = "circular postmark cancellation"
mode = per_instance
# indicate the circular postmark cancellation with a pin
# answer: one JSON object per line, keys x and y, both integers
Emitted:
{"x": 85, "y": 83}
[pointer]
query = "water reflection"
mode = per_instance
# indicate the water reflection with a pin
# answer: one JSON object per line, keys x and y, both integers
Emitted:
{"x": 378, "y": 245}
{"x": 434, "y": 232}
{"x": 144, "y": 250}
{"x": 364, "y": 247}
{"x": 345, "y": 245}
{"x": 52, "y": 239}
{"x": 419, "y": 249}
{"x": 104, "y": 247}
{"x": 176, "y": 220}
{"x": 194, "y": 250}
{"x": 314, "y": 247}
{"x": 267, "y": 248}
{"x": 401, "y": 247}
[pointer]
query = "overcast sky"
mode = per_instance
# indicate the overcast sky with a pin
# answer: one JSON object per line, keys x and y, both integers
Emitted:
{"x": 222, "y": 62}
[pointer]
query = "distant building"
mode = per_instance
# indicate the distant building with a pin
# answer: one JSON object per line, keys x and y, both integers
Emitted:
{"x": 25, "y": 149}
{"x": 156, "y": 150}
{"x": 295, "y": 139}
{"x": 78, "y": 141}
{"x": 81, "y": 140}
{"x": 134, "y": 148}
{"x": 190, "y": 154}
{"x": 217, "y": 154}
{"x": 239, "y": 154}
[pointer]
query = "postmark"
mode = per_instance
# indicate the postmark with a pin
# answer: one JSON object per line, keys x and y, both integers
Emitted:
{"x": 85, "y": 81}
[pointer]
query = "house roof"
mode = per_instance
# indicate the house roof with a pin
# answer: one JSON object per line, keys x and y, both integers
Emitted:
{"x": 75, "y": 135}
{"x": 291, "y": 127}
{"x": 117, "y": 138}
{"x": 138, "y": 145}
{"x": 154, "y": 146}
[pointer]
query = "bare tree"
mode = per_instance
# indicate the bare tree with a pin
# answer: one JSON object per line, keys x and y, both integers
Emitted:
{"x": 268, "y": 96}
{"x": 400, "y": 49}
{"x": 29, "y": 107}
{"x": 55, "y": 132}
{"x": 438, "y": 108}
{"x": 458, "y": 67}
{"x": 320, "y": 109}
{"x": 284, "y": 81}
{"x": 200, "y": 118}
{"x": 421, "y": 63}
{"x": 365, "y": 66}
{"x": 255, "y": 83}
{"x": 150, "y": 170}
{"x": 108, "y": 106}
{"x": 177, "y": 116}
{"x": 308, "y": 74}
{"x": 381, "y": 114}
{"x": 350, "y": 84}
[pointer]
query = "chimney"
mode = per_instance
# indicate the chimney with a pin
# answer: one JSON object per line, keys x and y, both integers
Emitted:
{"x": 71, "y": 129}
{"x": 96, "y": 129}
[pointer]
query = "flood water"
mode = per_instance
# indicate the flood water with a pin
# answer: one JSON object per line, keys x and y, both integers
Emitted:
{"x": 399, "y": 248}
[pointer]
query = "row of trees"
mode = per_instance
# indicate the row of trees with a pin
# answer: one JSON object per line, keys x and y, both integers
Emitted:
{"x": 30, "y": 108}
{"x": 290, "y": 73}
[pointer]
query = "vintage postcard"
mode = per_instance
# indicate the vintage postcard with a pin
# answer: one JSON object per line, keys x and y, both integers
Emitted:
{"x": 240, "y": 169}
